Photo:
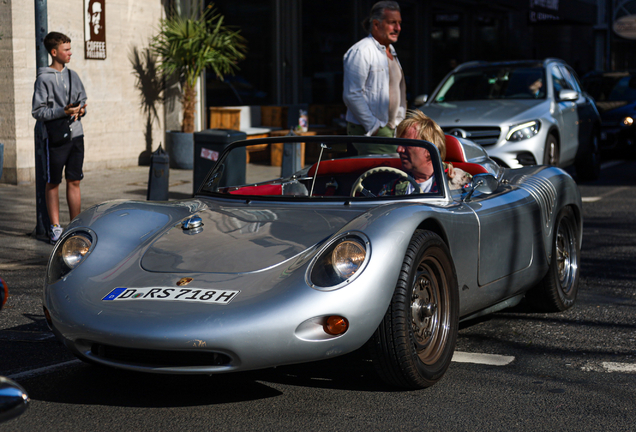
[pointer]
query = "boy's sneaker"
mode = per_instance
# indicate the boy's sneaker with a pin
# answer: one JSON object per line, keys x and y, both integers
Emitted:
{"x": 55, "y": 233}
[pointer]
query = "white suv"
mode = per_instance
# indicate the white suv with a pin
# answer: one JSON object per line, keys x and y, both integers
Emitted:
{"x": 522, "y": 112}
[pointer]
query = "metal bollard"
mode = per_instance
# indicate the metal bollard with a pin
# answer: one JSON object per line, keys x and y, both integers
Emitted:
{"x": 291, "y": 157}
{"x": 158, "y": 178}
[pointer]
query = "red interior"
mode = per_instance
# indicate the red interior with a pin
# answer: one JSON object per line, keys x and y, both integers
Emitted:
{"x": 259, "y": 190}
{"x": 454, "y": 154}
{"x": 454, "y": 150}
{"x": 340, "y": 166}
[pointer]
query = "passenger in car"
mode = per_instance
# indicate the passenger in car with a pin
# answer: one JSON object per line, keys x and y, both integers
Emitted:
{"x": 416, "y": 161}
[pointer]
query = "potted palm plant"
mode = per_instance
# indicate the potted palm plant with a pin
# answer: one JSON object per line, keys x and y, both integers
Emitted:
{"x": 187, "y": 46}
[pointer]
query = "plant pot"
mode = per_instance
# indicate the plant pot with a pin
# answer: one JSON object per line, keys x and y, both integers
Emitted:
{"x": 180, "y": 148}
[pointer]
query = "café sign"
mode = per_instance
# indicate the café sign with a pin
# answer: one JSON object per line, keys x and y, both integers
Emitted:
{"x": 626, "y": 26}
{"x": 95, "y": 29}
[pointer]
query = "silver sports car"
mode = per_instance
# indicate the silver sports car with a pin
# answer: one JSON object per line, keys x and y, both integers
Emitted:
{"x": 311, "y": 251}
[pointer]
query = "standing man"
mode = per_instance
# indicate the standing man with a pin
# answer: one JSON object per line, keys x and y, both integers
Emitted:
{"x": 55, "y": 86}
{"x": 374, "y": 85}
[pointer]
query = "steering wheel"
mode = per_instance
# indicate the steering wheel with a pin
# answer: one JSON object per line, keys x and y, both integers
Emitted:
{"x": 357, "y": 185}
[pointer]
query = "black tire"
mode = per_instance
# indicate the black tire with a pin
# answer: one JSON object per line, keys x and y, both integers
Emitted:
{"x": 414, "y": 344}
{"x": 551, "y": 151}
{"x": 558, "y": 289}
{"x": 588, "y": 163}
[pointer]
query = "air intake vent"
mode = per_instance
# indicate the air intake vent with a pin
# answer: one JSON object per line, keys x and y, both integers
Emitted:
{"x": 159, "y": 358}
{"x": 544, "y": 192}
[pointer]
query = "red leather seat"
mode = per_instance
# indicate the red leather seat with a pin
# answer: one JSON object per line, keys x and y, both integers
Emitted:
{"x": 454, "y": 150}
{"x": 455, "y": 154}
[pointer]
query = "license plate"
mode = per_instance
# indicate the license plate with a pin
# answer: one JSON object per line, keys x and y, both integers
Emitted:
{"x": 172, "y": 294}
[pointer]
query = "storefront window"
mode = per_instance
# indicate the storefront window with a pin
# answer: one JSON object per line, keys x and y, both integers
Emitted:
{"x": 252, "y": 84}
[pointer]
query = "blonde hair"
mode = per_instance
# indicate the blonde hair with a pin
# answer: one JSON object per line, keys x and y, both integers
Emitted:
{"x": 426, "y": 129}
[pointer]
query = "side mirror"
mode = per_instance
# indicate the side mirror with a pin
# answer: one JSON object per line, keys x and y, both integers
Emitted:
{"x": 420, "y": 100}
{"x": 484, "y": 183}
{"x": 568, "y": 95}
{"x": 13, "y": 399}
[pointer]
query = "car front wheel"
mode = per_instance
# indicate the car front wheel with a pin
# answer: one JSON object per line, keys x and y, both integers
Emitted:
{"x": 551, "y": 151}
{"x": 414, "y": 344}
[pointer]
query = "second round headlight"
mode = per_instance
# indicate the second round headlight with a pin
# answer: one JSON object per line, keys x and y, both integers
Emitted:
{"x": 347, "y": 257}
{"x": 74, "y": 249}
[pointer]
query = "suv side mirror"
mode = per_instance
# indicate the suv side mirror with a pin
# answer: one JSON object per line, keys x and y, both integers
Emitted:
{"x": 420, "y": 100}
{"x": 568, "y": 95}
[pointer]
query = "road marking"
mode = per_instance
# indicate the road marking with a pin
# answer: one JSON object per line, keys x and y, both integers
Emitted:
{"x": 42, "y": 370}
{"x": 487, "y": 359}
{"x": 619, "y": 367}
{"x": 591, "y": 199}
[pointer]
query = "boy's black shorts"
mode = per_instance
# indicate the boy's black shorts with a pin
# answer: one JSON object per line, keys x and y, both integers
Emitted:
{"x": 70, "y": 155}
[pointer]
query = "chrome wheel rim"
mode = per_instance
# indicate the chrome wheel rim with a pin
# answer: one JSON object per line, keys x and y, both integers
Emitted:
{"x": 566, "y": 255}
{"x": 552, "y": 150}
{"x": 430, "y": 310}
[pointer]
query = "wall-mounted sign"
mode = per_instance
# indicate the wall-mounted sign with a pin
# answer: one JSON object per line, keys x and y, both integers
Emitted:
{"x": 95, "y": 29}
{"x": 626, "y": 26}
{"x": 544, "y": 10}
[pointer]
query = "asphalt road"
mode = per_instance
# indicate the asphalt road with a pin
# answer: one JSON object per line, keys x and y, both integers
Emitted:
{"x": 571, "y": 371}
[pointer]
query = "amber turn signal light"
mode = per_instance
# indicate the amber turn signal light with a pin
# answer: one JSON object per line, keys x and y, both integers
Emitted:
{"x": 336, "y": 325}
{"x": 47, "y": 315}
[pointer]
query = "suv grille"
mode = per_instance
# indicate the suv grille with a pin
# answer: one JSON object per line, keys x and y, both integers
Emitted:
{"x": 482, "y": 135}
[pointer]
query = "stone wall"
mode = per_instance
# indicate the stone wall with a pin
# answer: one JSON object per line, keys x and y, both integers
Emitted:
{"x": 116, "y": 128}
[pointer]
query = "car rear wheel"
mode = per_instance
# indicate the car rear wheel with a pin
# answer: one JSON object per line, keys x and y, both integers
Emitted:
{"x": 414, "y": 344}
{"x": 558, "y": 289}
{"x": 588, "y": 164}
{"x": 551, "y": 151}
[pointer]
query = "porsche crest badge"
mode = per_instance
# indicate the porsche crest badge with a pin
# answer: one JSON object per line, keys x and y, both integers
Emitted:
{"x": 184, "y": 281}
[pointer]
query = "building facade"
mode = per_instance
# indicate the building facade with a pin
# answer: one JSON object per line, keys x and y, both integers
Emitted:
{"x": 116, "y": 127}
{"x": 295, "y": 57}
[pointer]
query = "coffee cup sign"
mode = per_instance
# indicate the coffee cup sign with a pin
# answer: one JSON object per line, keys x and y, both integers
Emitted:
{"x": 626, "y": 26}
{"x": 95, "y": 29}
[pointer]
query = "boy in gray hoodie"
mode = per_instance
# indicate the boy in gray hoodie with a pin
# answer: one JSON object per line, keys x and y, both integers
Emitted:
{"x": 51, "y": 101}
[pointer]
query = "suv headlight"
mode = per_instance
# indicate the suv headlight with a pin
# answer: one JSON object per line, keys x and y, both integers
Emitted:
{"x": 523, "y": 131}
{"x": 339, "y": 262}
{"x": 69, "y": 253}
{"x": 627, "y": 121}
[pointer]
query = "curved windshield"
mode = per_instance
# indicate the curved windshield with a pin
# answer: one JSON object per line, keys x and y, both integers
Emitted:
{"x": 326, "y": 169}
{"x": 509, "y": 82}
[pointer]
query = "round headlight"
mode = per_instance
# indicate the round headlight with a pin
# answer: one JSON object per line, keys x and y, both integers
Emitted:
{"x": 74, "y": 250}
{"x": 347, "y": 257}
{"x": 627, "y": 121}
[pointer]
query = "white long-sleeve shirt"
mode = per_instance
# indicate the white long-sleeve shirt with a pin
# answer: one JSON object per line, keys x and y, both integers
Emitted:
{"x": 366, "y": 85}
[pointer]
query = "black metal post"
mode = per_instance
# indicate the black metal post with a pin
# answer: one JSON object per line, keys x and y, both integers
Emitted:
{"x": 610, "y": 23}
{"x": 42, "y": 59}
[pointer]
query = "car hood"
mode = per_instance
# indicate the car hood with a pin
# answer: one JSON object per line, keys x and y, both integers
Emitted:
{"x": 483, "y": 113}
{"x": 244, "y": 238}
{"x": 616, "y": 109}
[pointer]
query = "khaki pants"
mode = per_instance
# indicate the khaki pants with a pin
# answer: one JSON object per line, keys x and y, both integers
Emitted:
{"x": 363, "y": 149}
